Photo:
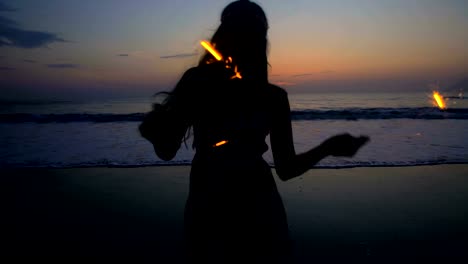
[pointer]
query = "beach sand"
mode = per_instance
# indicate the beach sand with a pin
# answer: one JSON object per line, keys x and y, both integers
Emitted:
{"x": 359, "y": 213}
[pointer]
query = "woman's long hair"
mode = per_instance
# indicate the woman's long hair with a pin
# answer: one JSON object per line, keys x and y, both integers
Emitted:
{"x": 242, "y": 36}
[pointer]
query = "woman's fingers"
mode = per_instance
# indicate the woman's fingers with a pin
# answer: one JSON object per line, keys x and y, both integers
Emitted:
{"x": 357, "y": 143}
{"x": 345, "y": 145}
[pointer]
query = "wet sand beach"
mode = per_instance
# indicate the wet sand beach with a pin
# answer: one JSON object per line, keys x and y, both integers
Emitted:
{"x": 349, "y": 214}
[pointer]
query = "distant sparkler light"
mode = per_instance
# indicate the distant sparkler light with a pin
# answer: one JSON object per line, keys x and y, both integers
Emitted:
{"x": 439, "y": 100}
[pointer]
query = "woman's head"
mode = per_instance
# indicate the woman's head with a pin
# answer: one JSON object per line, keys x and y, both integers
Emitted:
{"x": 245, "y": 13}
{"x": 242, "y": 35}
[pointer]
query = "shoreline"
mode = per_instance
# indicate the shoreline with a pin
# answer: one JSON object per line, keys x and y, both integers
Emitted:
{"x": 359, "y": 213}
{"x": 317, "y": 167}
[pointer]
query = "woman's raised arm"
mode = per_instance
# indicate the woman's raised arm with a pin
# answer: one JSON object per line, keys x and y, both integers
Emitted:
{"x": 165, "y": 126}
{"x": 290, "y": 165}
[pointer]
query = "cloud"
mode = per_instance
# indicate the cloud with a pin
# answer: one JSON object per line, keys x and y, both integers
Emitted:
{"x": 302, "y": 75}
{"x": 176, "y": 56}
{"x": 6, "y": 8}
{"x": 312, "y": 73}
{"x": 284, "y": 83}
{"x": 460, "y": 85}
{"x": 122, "y": 55}
{"x": 30, "y": 61}
{"x": 12, "y": 35}
{"x": 26, "y": 39}
{"x": 6, "y": 22}
{"x": 63, "y": 66}
{"x": 7, "y": 69}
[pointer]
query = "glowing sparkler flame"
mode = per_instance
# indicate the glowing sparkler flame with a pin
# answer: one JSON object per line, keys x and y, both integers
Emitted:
{"x": 211, "y": 50}
{"x": 218, "y": 57}
{"x": 237, "y": 74}
{"x": 220, "y": 143}
{"x": 439, "y": 99}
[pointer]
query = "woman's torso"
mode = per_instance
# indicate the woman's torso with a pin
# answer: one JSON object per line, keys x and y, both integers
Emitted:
{"x": 231, "y": 120}
{"x": 232, "y": 193}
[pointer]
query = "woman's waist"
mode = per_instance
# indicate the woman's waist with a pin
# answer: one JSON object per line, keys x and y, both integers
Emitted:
{"x": 231, "y": 149}
{"x": 215, "y": 180}
{"x": 226, "y": 173}
{"x": 233, "y": 159}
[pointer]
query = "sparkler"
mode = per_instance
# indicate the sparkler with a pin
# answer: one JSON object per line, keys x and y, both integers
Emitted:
{"x": 439, "y": 100}
{"x": 211, "y": 50}
{"x": 219, "y": 57}
{"x": 229, "y": 63}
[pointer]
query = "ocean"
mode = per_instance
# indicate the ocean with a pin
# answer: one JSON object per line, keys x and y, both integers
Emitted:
{"x": 405, "y": 129}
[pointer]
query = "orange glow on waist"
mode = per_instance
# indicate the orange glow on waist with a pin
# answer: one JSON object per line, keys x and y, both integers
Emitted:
{"x": 220, "y": 143}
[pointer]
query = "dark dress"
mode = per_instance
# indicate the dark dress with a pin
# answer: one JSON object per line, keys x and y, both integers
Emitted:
{"x": 234, "y": 209}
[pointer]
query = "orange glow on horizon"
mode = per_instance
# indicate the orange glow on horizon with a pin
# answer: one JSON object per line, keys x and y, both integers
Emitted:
{"x": 439, "y": 100}
{"x": 211, "y": 50}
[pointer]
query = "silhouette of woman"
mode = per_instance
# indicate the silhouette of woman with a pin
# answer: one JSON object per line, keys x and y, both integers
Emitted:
{"x": 234, "y": 209}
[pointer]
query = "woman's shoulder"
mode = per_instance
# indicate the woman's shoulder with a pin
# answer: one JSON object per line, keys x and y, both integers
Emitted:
{"x": 196, "y": 73}
{"x": 277, "y": 92}
{"x": 192, "y": 77}
{"x": 203, "y": 73}
{"x": 192, "y": 73}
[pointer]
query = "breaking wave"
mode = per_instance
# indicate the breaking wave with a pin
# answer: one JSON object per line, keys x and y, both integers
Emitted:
{"x": 341, "y": 165}
{"x": 429, "y": 113}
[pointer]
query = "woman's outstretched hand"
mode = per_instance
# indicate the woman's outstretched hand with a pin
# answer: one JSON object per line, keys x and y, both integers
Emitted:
{"x": 148, "y": 126}
{"x": 344, "y": 145}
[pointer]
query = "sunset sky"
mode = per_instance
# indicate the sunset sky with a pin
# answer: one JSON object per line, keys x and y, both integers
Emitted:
{"x": 89, "y": 48}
